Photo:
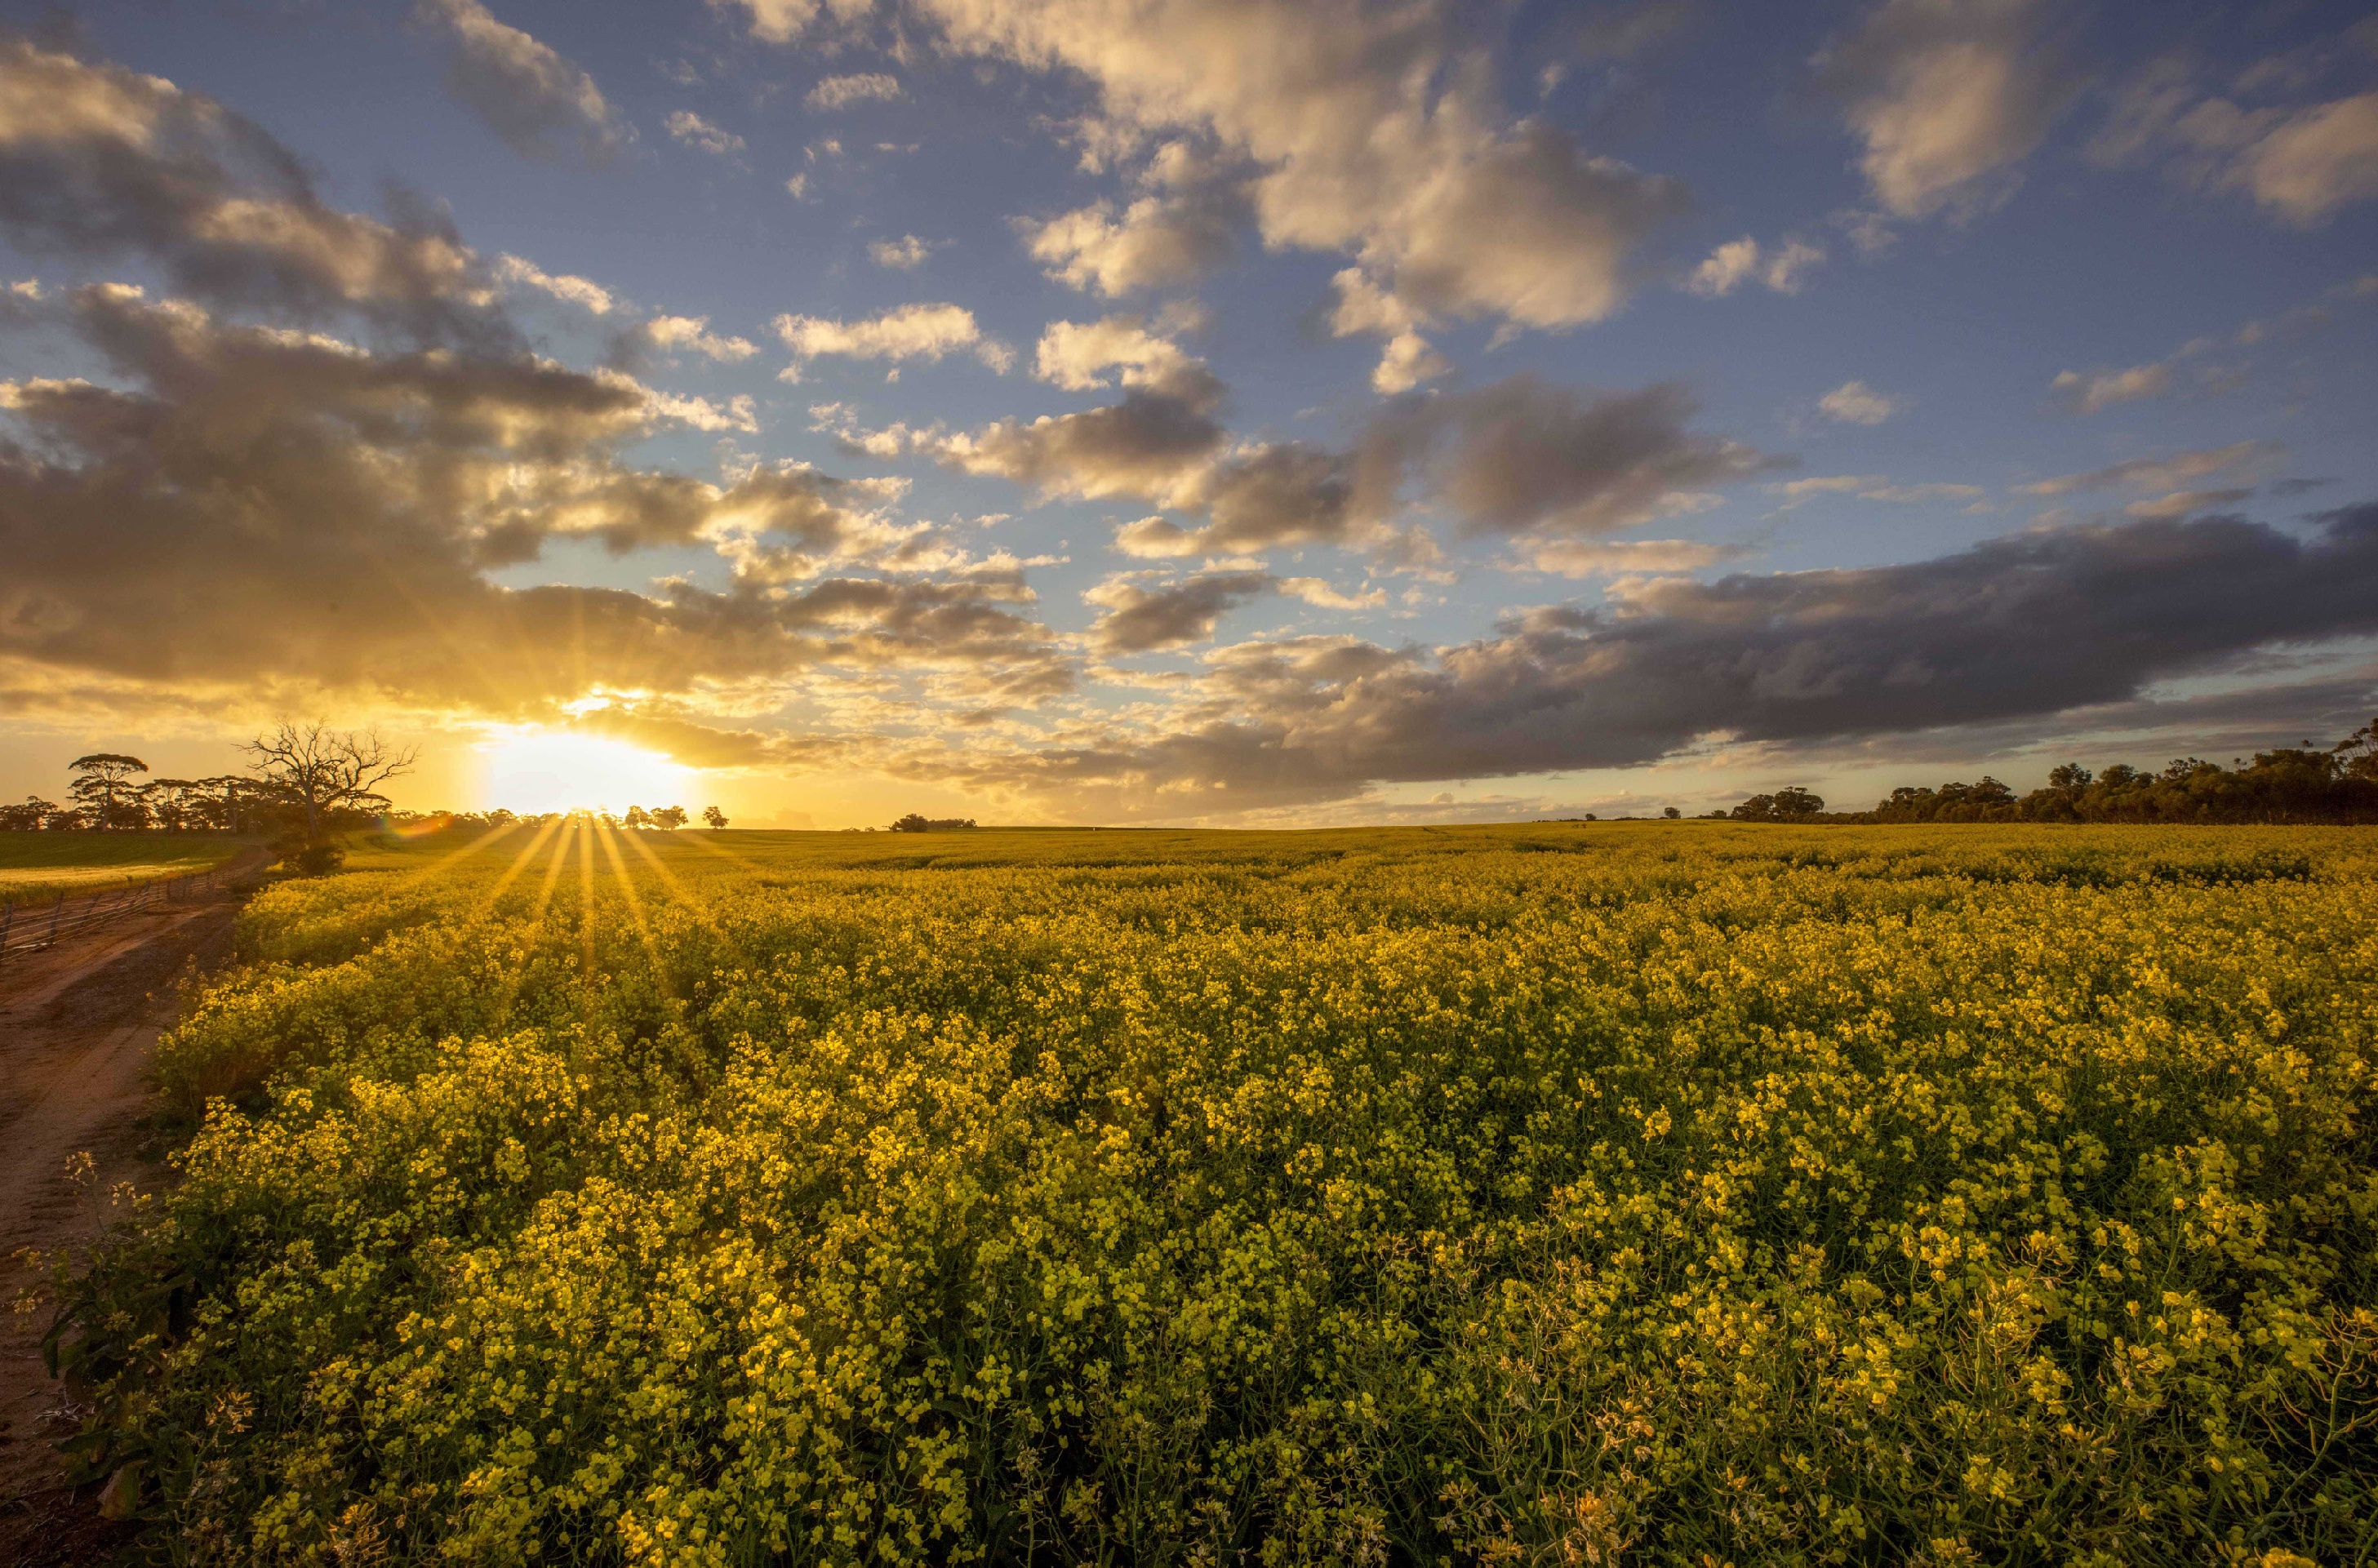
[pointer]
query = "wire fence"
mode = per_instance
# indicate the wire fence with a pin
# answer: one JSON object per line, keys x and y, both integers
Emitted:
{"x": 29, "y": 928}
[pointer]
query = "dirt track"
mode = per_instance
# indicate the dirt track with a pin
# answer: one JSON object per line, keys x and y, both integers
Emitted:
{"x": 78, "y": 1022}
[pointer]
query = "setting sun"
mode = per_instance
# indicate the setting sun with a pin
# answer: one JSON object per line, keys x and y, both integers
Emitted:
{"x": 539, "y": 769}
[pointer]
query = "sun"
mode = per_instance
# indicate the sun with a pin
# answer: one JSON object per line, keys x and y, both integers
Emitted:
{"x": 542, "y": 770}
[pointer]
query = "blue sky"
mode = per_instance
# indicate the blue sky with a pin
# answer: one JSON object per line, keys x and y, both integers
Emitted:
{"x": 1513, "y": 410}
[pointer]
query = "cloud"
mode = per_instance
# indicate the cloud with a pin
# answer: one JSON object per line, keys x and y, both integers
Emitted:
{"x": 540, "y": 104}
{"x": 1737, "y": 262}
{"x": 694, "y": 131}
{"x": 1375, "y": 132}
{"x": 1798, "y": 493}
{"x": 2103, "y": 388}
{"x": 904, "y": 255}
{"x": 1147, "y": 620}
{"x": 2302, "y": 162}
{"x": 586, "y": 295}
{"x": 2181, "y": 503}
{"x": 2025, "y": 626}
{"x": 97, "y": 163}
{"x": 2164, "y": 472}
{"x": 1363, "y": 306}
{"x": 1949, "y": 97}
{"x": 841, "y": 92}
{"x": 1185, "y": 224}
{"x": 266, "y": 512}
{"x": 671, "y": 334}
{"x": 1854, "y": 403}
{"x": 781, "y": 21}
{"x": 1322, "y": 594}
{"x": 913, "y": 331}
{"x": 1612, "y": 557}
{"x": 1516, "y": 457}
{"x": 1079, "y": 357}
{"x": 1525, "y": 456}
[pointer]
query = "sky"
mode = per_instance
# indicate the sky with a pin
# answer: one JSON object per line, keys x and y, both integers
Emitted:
{"x": 1248, "y": 412}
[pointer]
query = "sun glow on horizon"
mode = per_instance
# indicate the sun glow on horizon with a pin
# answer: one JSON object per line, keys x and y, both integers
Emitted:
{"x": 542, "y": 770}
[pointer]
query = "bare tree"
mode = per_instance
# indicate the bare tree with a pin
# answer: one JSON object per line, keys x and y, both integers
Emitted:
{"x": 319, "y": 769}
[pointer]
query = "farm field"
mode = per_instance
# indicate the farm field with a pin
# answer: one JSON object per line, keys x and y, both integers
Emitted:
{"x": 35, "y": 867}
{"x": 1668, "y": 1193}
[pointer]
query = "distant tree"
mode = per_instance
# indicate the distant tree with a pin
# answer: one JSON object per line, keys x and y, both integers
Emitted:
{"x": 2068, "y": 775}
{"x": 1671, "y": 813}
{"x": 669, "y": 817}
{"x": 171, "y": 802}
{"x": 714, "y": 817}
{"x": 638, "y": 816}
{"x": 229, "y": 802}
{"x": 31, "y": 816}
{"x": 105, "y": 789}
{"x": 917, "y": 822}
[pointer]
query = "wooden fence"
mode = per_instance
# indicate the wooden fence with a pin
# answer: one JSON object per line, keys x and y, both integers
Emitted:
{"x": 29, "y": 927}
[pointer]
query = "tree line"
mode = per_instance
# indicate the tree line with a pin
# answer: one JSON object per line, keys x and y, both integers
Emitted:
{"x": 2307, "y": 784}
{"x": 306, "y": 784}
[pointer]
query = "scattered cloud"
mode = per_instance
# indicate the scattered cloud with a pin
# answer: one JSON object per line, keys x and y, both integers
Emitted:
{"x": 670, "y": 334}
{"x": 913, "y": 331}
{"x": 2183, "y": 503}
{"x": 904, "y": 255}
{"x": 539, "y": 103}
{"x": 1372, "y": 133}
{"x": 1737, "y": 262}
{"x": 1150, "y": 619}
{"x": 1854, "y": 403}
{"x": 1363, "y": 306}
{"x": 2170, "y": 473}
{"x": 1949, "y": 97}
{"x": 781, "y": 21}
{"x": 1628, "y": 557}
{"x": 2301, "y": 162}
{"x": 1083, "y": 357}
{"x": 694, "y": 131}
{"x": 1186, "y": 223}
{"x": 588, "y": 295}
{"x": 1798, "y": 493}
{"x": 2096, "y": 389}
{"x": 98, "y": 162}
{"x": 841, "y": 92}
{"x": 1324, "y": 596}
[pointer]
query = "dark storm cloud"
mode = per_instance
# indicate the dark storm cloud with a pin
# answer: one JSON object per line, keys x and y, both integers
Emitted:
{"x": 2030, "y": 624}
{"x": 101, "y": 163}
{"x": 541, "y": 104}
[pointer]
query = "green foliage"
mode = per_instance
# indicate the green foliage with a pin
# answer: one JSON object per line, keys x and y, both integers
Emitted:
{"x": 1683, "y": 1193}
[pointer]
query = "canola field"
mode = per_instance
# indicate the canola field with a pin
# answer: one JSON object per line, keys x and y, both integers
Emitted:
{"x": 1610, "y": 1194}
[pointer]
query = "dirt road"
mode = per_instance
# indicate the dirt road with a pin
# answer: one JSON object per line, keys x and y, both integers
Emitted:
{"x": 78, "y": 1022}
